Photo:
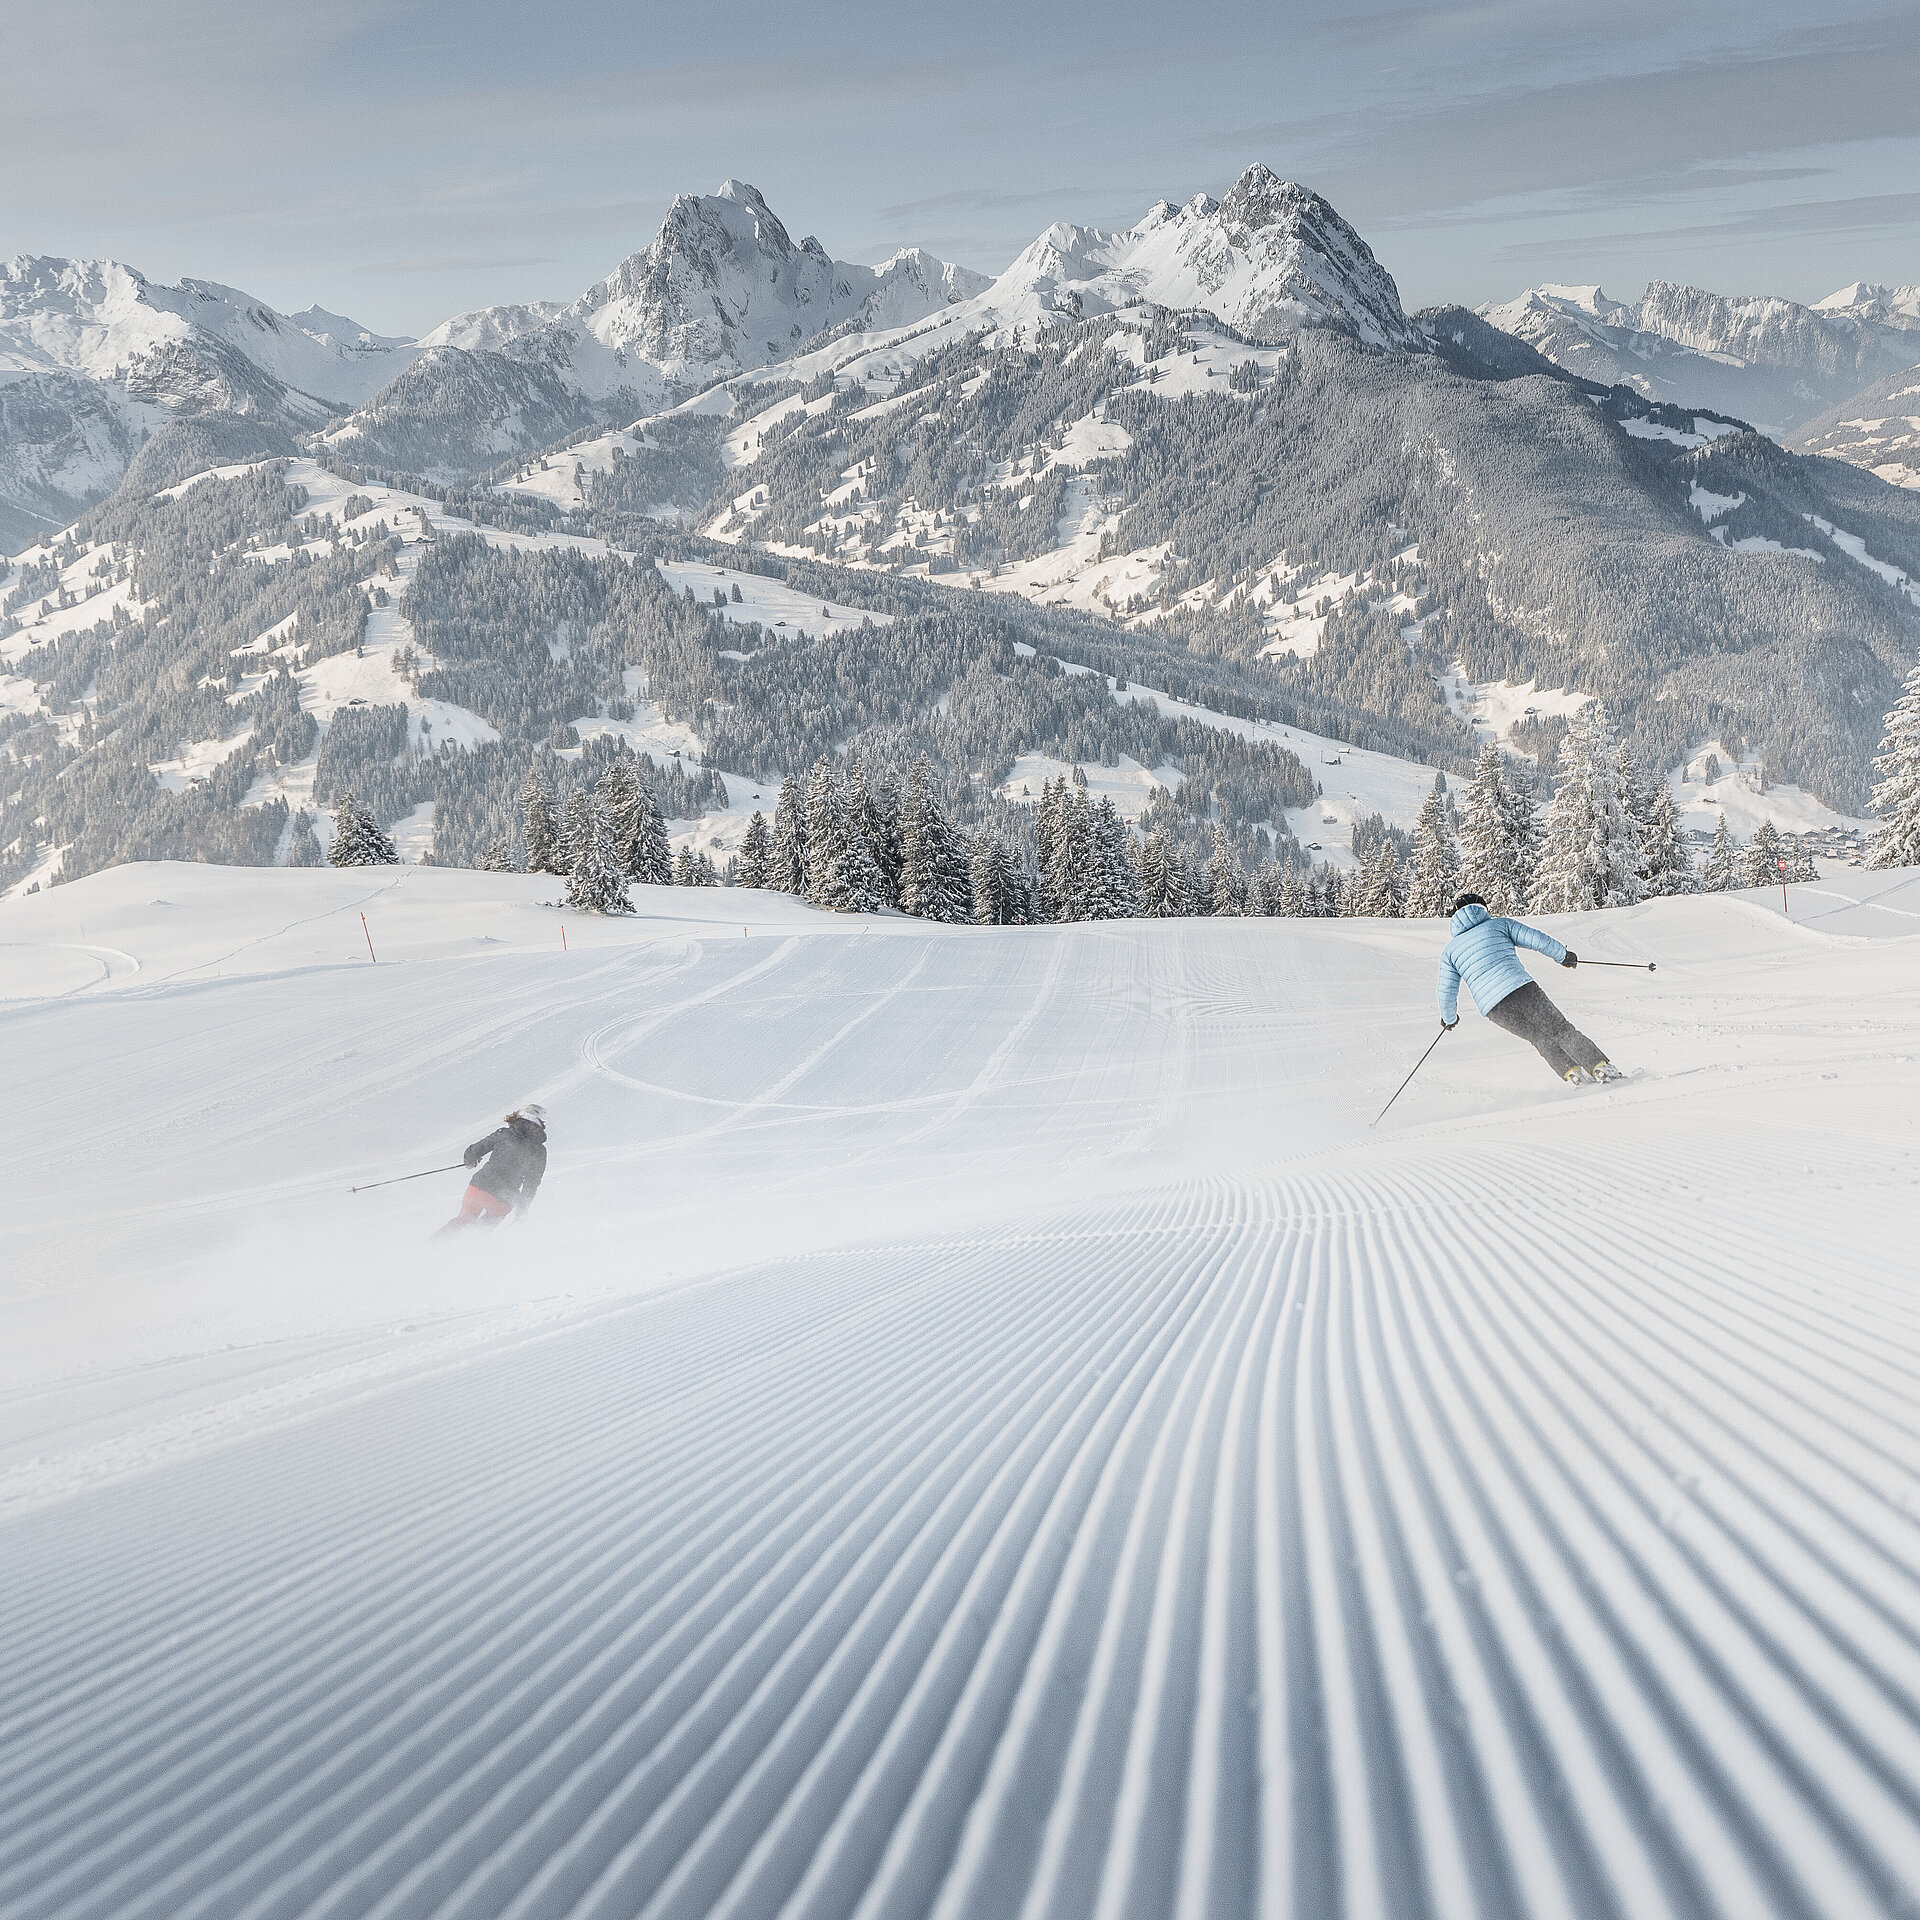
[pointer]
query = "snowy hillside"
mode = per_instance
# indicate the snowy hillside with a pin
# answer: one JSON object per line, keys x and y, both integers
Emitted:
{"x": 975, "y": 1424}
{"x": 1765, "y": 360}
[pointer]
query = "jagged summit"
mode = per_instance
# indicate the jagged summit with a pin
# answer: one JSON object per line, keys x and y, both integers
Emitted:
{"x": 1270, "y": 257}
{"x": 720, "y": 289}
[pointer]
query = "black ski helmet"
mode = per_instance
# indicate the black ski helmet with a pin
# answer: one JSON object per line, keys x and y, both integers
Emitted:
{"x": 1466, "y": 900}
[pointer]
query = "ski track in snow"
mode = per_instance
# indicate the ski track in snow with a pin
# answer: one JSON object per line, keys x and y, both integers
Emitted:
{"x": 1508, "y": 1513}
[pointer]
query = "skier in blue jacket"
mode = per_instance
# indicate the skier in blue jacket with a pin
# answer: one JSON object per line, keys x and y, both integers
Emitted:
{"x": 1484, "y": 953}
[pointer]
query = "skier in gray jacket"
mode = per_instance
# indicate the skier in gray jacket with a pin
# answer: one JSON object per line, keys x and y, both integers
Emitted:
{"x": 1484, "y": 953}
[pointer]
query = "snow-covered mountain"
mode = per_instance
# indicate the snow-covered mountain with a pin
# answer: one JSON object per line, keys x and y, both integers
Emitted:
{"x": 197, "y": 347}
{"x": 1768, "y": 360}
{"x": 1886, "y": 306}
{"x": 94, "y": 356}
{"x": 1269, "y": 258}
{"x": 722, "y": 289}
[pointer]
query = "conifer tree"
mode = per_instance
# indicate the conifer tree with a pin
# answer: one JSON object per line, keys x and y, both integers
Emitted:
{"x": 874, "y": 804}
{"x": 1521, "y": 781}
{"x": 1378, "y": 894}
{"x": 1225, "y": 895}
{"x": 303, "y": 849}
{"x": 935, "y": 881}
{"x": 575, "y": 826}
{"x": 598, "y": 882}
{"x": 790, "y": 870}
{"x": 1723, "y": 871}
{"x": 1434, "y": 876}
{"x": 357, "y": 838}
{"x": 542, "y": 822}
{"x": 756, "y": 854}
{"x": 1896, "y": 795}
{"x": 498, "y": 858}
{"x": 841, "y": 875}
{"x": 1112, "y": 892}
{"x": 639, "y": 833}
{"x": 692, "y": 869}
{"x": 1163, "y": 896}
{"x": 1764, "y": 857}
{"x": 1666, "y": 858}
{"x": 1296, "y": 899}
{"x": 1592, "y": 856}
{"x": 998, "y": 894}
{"x": 1800, "y": 865}
{"x": 1489, "y": 859}
{"x": 1050, "y": 835}
{"x": 1267, "y": 892}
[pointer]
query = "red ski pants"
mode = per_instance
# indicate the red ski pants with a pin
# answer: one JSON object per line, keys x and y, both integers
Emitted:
{"x": 481, "y": 1209}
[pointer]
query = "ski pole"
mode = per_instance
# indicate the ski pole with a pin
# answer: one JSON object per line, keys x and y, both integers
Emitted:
{"x": 1408, "y": 1081}
{"x": 1639, "y": 966}
{"x": 458, "y": 1165}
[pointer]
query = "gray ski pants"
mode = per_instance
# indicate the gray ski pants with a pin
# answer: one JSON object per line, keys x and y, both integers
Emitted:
{"x": 1528, "y": 1013}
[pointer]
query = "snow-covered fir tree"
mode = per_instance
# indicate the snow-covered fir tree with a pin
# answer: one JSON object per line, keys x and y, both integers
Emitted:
{"x": 498, "y": 858}
{"x": 541, "y": 823}
{"x": 1764, "y": 855}
{"x": 1666, "y": 854}
{"x": 1163, "y": 893}
{"x": 1800, "y": 867}
{"x": 789, "y": 870}
{"x": 999, "y": 888}
{"x": 1592, "y": 854}
{"x": 357, "y": 839}
{"x": 1433, "y": 873}
{"x": 1896, "y": 795}
{"x": 1267, "y": 891}
{"x": 1226, "y": 893}
{"x": 639, "y": 833}
{"x": 874, "y": 803}
{"x": 303, "y": 847}
{"x": 1723, "y": 861}
{"x": 1489, "y": 858}
{"x": 841, "y": 876}
{"x": 597, "y": 882}
{"x": 1522, "y": 782}
{"x": 1114, "y": 891}
{"x": 936, "y": 882}
{"x": 692, "y": 869}
{"x": 755, "y": 864}
{"x": 1376, "y": 892}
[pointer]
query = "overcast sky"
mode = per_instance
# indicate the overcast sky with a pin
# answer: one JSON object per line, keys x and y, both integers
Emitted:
{"x": 400, "y": 162}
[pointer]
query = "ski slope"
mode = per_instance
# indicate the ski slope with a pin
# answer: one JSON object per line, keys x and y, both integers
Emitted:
{"x": 976, "y": 1424}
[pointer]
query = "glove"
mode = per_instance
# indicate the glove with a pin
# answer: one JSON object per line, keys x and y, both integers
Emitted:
{"x": 1447, "y": 1026}
{"x": 1572, "y": 959}
{"x": 469, "y": 1158}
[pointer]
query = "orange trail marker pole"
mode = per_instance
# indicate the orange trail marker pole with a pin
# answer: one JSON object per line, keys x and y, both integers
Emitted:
{"x": 371, "y": 955}
{"x": 1783, "y": 887}
{"x": 563, "y": 936}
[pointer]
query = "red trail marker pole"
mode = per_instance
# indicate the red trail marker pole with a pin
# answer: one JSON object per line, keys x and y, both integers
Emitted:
{"x": 563, "y": 936}
{"x": 1782, "y": 865}
{"x": 371, "y": 955}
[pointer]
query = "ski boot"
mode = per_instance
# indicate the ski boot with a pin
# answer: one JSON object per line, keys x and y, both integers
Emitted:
{"x": 1604, "y": 1070}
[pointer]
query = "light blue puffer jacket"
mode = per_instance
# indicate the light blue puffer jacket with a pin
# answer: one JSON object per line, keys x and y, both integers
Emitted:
{"x": 1482, "y": 954}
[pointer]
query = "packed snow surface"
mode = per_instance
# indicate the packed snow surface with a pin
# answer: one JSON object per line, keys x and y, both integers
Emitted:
{"x": 976, "y": 1423}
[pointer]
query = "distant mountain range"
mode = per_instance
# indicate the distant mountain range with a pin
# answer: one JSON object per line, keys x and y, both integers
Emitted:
{"x": 1210, "y": 453}
{"x": 94, "y": 357}
{"x": 1767, "y": 361}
